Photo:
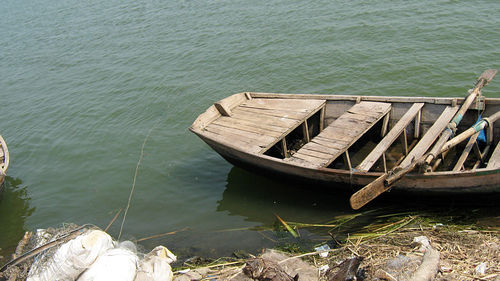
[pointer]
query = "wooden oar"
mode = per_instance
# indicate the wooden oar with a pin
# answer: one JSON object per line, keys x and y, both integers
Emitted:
{"x": 385, "y": 181}
{"x": 398, "y": 173}
{"x": 451, "y": 128}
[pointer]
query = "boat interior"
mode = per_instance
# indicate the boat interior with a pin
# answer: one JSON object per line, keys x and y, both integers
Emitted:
{"x": 356, "y": 133}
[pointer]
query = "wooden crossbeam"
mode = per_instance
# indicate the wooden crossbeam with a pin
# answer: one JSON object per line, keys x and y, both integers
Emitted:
{"x": 341, "y": 134}
{"x": 389, "y": 139}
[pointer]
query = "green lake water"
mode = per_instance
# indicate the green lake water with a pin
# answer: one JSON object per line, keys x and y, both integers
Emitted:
{"x": 83, "y": 82}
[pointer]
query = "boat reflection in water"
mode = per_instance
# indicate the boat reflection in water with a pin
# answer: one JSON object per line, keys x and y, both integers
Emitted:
{"x": 258, "y": 199}
{"x": 14, "y": 211}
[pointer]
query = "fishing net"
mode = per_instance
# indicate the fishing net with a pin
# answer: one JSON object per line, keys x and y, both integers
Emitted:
{"x": 32, "y": 252}
{"x": 84, "y": 253}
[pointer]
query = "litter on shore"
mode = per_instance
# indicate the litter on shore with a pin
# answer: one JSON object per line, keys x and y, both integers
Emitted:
{"x": 404, "y": 252}
{"x": 423, "y": 253}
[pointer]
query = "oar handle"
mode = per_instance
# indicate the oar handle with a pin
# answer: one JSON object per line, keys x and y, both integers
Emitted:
{"x": 485, "y": 122}
{"x": 399, "y": 172}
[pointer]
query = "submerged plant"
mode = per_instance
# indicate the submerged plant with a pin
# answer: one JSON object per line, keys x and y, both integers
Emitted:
{"x": 287, "y": 227}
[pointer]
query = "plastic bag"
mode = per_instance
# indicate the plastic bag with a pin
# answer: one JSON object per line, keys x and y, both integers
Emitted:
{"x": 72, "y": 258}
{"x": 156, "y": 265}
{"x": 482, "y": 136}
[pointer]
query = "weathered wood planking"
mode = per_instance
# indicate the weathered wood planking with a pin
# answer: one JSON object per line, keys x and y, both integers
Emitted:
{"x": 258, "y": 124}
{"x": 313, "y": 161}
{"x": 247, "y": 141}
{"x": 244, "y": 127}
{"x": 313, "y": 146}
{"x": 318, "y": 154}
{"x": 339, "y": 144}
{"x": 273, "y": 112}
{"x": 250, "y": 123}
{"x": 369, "y": 108}
{"x": 234, "y": 140}
{"x": 341, "y": 134}
{"x": 430, "y": 136}
{"x": 221, "y": 130}
{"x": 494, "y": 162}
{"x": 389, "y": 139}
{"x": 263, "y": 119}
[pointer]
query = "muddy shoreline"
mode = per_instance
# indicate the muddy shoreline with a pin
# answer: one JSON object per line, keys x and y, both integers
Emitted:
{"x": 464, "y": 254}
{"x": 468, "y": 250}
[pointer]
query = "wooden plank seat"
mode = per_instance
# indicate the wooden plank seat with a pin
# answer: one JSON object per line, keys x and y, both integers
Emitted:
{"x": 494, "y": 162}
{"x": 257, "y": 124}
{"x": 337, "y": 137}
{"x": 389, "y": 139}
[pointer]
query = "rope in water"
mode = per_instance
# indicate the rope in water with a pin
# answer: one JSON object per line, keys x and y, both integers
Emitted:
{"x": 135, "y": 176}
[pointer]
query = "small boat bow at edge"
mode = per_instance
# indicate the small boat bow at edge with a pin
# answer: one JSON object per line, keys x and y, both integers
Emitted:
{"x": 4, "y": 160}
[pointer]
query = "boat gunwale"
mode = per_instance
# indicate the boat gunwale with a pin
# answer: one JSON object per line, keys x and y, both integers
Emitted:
{"x": 399, "y": 99}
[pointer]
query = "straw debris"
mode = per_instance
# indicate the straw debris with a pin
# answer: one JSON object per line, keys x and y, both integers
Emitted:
{"x": 461, "y": 251}
{"x": 381, "y": 250}
{"x": 387, "y": 252}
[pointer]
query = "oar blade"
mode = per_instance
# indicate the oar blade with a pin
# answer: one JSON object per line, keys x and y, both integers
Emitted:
{"x": 488, "y": 75}
{"x": 369, "y": 192}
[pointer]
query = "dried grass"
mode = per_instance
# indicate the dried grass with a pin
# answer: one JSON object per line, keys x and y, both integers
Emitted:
{"x": 462, "y": 247}
{"x": 461, "y": 251}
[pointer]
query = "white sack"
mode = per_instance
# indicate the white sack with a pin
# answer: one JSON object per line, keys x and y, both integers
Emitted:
{"x": 73, "y": 257}
{"x": 118, "y": 264}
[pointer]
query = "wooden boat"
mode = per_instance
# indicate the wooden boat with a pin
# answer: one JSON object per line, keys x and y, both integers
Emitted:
{"x": 353, "y": 140}
{"x": 4, "y": 160}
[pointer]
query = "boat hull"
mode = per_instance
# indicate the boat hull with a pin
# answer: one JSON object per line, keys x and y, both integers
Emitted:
{"x": 245, "y": 127}
{"x": 468, "y": 182}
